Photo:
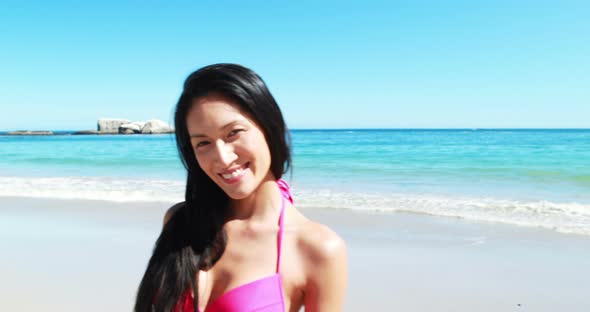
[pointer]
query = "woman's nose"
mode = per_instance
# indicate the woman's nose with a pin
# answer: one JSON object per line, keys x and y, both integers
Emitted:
{"x": 225, "y": 154}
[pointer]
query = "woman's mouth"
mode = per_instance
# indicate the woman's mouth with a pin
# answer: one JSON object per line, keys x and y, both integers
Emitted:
{"x": 235, "y": 174}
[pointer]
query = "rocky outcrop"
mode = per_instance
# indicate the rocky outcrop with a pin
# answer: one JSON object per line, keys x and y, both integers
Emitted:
{"x": 29, "y": 132}
{"x": 110, "y": 125}
{"x": 124, "y": 126}
{"x": 131, "y": 128}
{"x": 155, "y": 126}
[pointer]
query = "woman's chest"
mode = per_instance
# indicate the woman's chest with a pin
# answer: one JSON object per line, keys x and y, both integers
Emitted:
{"x": 246, "y": 270}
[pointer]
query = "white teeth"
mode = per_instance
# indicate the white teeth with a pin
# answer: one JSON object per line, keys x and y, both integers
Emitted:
{"x": 233, "y": 174}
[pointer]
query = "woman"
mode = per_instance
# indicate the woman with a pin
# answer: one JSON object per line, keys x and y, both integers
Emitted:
{"x": 237, "y": 243}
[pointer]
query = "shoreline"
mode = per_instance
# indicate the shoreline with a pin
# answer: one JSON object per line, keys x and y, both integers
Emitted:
{"x": 94, "y": 189}
{"x": 397, "y": 261}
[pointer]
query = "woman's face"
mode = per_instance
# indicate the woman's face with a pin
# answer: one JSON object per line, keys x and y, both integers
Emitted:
{"x": 229, "y": 145}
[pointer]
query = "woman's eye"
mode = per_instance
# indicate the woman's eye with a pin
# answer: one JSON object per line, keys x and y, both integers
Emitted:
{"x": 234, "y": 132}
{"x": 203, "y": 143}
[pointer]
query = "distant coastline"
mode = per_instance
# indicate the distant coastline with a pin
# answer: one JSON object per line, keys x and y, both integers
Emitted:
{"x": 105, "y": 126}
{"x": 94, "y": 132}
{"x": 66, "y": 132}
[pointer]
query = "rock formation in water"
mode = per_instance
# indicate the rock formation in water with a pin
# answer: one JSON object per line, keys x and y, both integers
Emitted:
{"x": 113, "y": 126}
{"x": 110, "y": 125}
{"x": 124, "y": 126}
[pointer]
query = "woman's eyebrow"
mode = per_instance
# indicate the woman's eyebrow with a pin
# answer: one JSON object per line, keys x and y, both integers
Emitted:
{"x": 199, "y": 135}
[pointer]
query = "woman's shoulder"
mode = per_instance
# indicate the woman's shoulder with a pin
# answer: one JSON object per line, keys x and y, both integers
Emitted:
{"x": 323, "y": 256}
{"x": 318, "y": 243}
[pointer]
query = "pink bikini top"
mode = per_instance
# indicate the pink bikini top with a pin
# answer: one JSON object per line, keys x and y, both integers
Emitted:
{"x": 262, "y": 295}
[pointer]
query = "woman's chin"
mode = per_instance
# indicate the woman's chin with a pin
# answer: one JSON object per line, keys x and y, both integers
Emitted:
{"x": 239, "y": 191}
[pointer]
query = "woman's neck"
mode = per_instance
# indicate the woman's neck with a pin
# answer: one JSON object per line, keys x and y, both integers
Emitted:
{"x": 260, "y": 206}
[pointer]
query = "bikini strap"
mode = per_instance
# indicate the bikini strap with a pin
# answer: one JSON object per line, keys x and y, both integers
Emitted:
{"x": 285, "y": 192}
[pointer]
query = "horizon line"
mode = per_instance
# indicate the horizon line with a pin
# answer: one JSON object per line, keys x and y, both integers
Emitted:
{"x": 373, "y": 128}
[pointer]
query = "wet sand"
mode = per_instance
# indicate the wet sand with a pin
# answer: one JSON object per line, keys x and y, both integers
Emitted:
{"x": 80, "y": 255}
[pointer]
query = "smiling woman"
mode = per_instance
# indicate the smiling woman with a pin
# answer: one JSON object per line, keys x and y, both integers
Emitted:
{"x": 232, "y": 133}
{"x": 237, "y": 243}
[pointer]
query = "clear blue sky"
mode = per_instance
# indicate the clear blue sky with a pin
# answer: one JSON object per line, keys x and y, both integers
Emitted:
{"x": 389, "y": 64}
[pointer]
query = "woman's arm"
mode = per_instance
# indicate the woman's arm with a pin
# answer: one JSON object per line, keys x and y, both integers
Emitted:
{"x": 327, "y": 270}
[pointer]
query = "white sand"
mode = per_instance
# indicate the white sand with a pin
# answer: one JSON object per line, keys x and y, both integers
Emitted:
{"x": 74, "y": 255}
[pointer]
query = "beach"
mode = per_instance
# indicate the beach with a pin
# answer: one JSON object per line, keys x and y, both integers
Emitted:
{"x": 434, "y": 220}
{"x": 89, "y": 255}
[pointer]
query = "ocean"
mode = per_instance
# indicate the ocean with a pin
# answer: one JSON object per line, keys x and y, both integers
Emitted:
{"x": 526, "y": 177}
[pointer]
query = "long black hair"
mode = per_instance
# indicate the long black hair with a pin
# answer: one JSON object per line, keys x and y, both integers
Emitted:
{"x": 193, "y": 238}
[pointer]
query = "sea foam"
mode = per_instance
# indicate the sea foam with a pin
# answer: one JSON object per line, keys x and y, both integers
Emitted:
{"x": 94, "y": 188}
{"x": 570, "y": 217}
{"x": 566, "y": 217}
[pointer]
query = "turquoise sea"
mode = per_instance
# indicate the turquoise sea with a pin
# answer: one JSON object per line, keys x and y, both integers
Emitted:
{"x": 525, "y": 177}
